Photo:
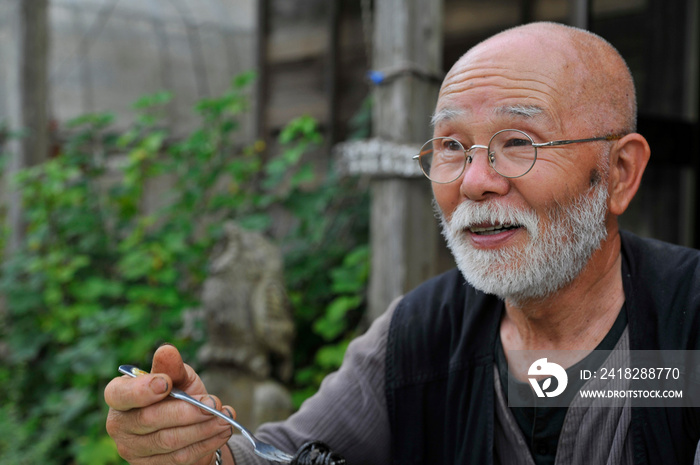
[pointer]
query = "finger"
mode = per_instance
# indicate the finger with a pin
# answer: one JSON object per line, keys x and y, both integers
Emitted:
{"x": 125, "y": 393}
{"x": 164, "y": 427}
{"x": 169, "y": 440}
{"x": 202, "y": 450}
{"x": 168, "y": 360}
{"x": 169, "y": 413}
{"x": 229, "y": 411}
{"x": 200, "y": 453}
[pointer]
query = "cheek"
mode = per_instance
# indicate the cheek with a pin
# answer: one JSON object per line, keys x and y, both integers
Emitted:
{"x": 574, "y": 171}
{"x": 447, "y": 197}
{"x": 552, "y": 182}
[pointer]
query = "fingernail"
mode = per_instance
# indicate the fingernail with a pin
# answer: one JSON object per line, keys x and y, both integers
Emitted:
{"x": 229, "y": 413}
{"x": 158, "y": 385}
{"x": 213, "y": 402}
{"x": 166, "y": 344}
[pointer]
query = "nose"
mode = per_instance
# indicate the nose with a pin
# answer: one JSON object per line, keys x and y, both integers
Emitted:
{"x": 479, "y": 180}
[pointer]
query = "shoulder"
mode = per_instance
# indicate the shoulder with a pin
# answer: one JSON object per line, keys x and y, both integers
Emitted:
{"x": 654, "y": 256}
{"x": 662, "y": 290}
{"x": 670, "y": 271}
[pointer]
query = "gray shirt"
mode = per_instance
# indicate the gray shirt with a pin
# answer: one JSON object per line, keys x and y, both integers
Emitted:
{"x": 591, "y": 434}
{"x": 349, "y": 413}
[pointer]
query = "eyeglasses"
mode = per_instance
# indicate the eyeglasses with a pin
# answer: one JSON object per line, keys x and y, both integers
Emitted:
{"x": 511, "y": 152}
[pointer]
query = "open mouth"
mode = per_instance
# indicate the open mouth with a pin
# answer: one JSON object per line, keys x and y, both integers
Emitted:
{"x": 493, "y": 229}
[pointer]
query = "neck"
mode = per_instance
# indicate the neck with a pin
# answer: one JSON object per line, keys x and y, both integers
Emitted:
{"x": 578, "y": 316}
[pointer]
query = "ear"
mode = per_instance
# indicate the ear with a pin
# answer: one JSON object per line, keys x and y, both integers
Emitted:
{"x": 628, "y": 159}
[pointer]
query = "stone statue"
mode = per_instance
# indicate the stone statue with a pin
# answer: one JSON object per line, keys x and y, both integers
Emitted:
{"x": 248, "y": 353}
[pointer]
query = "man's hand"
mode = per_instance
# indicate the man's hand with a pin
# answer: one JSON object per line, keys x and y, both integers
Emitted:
{"x": 151, "y": 429}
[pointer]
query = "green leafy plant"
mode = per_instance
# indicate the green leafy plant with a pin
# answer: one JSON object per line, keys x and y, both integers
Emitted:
{"x": 103, "y": 277}
{"x": 327, "y": 268}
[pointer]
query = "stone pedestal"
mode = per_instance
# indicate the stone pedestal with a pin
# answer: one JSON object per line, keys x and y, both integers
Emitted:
{"x": 248, "y": 353}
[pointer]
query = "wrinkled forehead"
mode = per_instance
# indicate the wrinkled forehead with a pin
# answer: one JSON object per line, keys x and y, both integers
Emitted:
{"x": 528, "y": 51}
{"x": 523, "y": 74}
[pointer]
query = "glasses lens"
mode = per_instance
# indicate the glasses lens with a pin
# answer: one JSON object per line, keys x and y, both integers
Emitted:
{"x": 511, "y": 153}
{"x": 442, "y": 159}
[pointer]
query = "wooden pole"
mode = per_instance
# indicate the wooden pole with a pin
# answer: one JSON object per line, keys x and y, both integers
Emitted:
{"x": 405, "y": 239}
{"x": 27, "y": 99}
{"x": 579, "y": 14}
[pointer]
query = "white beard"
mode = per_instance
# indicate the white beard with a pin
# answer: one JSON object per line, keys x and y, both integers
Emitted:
{"x": 553, "y": 257}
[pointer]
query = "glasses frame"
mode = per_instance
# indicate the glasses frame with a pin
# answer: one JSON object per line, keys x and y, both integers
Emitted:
{"x": 468, "y": 158}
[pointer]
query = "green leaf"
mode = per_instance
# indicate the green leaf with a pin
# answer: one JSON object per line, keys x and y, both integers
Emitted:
{"x": 152, "y": 100}
{"x": 303, "y": 126}
{"x": 333, "y": 323}
{"x": 98, "y": 120}
{"x": 153, "y": 142}
{"x": 94, "y": 288}
{"x": 331, "y": 356}
{"x": 256, "y": 222}
{"x": 101, "y": 451}
{"x": 244, "y": 79}
{"x": 353, "y": 275}
{"x": 305, "y": 174}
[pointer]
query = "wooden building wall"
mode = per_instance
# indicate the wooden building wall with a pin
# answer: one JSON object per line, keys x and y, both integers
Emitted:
{"x": 314, "y": 58}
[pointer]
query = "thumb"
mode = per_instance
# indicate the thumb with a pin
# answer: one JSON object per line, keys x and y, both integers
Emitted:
{"x": 168, "y": 360}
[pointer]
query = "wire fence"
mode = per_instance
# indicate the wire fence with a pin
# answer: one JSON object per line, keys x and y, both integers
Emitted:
{"x": 104, "y": 54}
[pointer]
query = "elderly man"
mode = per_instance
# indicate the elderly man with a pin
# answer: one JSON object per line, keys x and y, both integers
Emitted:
{"x": 535, "y": 156}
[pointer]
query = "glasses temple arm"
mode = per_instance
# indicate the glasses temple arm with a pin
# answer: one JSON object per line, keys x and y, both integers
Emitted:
{"x": 555, "y": 143}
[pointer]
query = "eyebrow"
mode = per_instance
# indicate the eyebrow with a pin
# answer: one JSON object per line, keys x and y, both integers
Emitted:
{"x": 446, "y": 114}
{"x": 518, "y": 110}
{"x": 527, "y": 111}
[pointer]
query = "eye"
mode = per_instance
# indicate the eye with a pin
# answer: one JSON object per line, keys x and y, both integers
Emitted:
{"x": 451, "y": 145}
{"x": 517, "y": 142}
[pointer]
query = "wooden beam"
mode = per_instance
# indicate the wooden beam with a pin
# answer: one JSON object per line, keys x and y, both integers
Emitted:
{"x": 27, "y": 96}
{"x": 580, "y": 13}
{"x": 261, "y": 84}
{"x": 407, "y": 33}
{"x": 405, "y": 239}
{"x": 331, "y": 71}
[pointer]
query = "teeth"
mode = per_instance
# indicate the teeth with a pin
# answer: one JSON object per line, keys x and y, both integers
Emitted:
{"x": 491, "y": 229}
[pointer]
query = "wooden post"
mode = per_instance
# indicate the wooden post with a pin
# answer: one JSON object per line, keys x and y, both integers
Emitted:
{"x": 579, "y": 13}
{"x": 27, "y": 98}
{"x": 405, "y": 238}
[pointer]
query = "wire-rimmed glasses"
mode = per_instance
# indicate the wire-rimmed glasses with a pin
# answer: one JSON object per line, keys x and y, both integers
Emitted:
{"x": 511, "y": 153}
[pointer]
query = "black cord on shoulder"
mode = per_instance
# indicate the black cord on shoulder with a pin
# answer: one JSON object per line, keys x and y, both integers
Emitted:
{"x": 317, "y": 453}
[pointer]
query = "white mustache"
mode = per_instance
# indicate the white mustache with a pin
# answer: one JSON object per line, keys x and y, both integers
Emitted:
{"x": 469, "y": 214}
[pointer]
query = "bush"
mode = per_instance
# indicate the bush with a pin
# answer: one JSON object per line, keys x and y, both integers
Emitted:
{"x": 99, "y": 281}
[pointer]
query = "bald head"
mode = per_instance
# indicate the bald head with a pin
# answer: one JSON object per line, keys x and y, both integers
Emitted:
{"x": 580, "y": 70}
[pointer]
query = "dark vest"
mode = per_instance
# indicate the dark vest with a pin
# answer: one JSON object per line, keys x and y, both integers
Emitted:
{"x": 440, "y": 360}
